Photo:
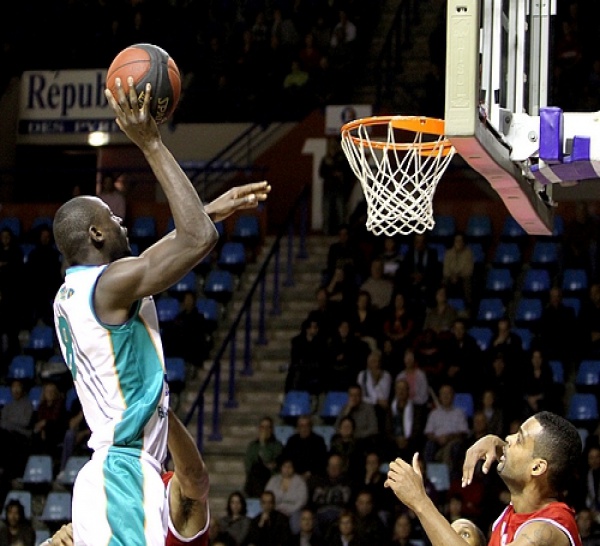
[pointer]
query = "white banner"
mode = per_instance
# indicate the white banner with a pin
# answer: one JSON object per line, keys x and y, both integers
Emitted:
{"x": 337, "y": 115}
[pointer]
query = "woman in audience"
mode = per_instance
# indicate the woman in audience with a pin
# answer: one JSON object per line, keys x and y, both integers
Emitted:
{"x": 538, "y": 386}
{"x": 15, "y": 529}
{"x": 50, "y": 423}
{"x": 291, "y": 493}
{"x": 236, "y": 523}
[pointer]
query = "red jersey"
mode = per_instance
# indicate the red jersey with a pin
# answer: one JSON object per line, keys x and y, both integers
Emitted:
{"x": 173, "y": 538}
{"x": 507, "y": 527}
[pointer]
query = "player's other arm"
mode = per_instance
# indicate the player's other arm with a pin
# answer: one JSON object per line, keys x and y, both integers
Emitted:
{"x": 189, "y": 485}
{"x": 541, "y": 533}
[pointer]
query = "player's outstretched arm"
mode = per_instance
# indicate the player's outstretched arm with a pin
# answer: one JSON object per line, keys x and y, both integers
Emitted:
{"x": 488, "y": 449}
{"x": 190, "y": 484}
{"x": 238, "y": 198}
{"x": 406, "y": 482}
{"x": 165, "y": 262}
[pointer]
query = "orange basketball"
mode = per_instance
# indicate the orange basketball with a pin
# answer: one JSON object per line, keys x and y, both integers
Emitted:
{"x": 147, "y": 63}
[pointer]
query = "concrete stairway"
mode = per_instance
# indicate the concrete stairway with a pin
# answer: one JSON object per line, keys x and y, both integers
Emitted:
{"x": 261, "y": 393}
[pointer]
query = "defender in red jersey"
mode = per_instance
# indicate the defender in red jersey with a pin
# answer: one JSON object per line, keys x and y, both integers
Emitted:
{"x": 536, "y": 465}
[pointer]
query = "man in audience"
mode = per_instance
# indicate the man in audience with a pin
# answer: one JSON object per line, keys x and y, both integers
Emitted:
{"x": 306, "y": 449}
{"x": 270, "y": 527}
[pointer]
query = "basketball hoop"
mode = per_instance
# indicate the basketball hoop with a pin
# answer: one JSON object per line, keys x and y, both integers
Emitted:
{"x": 398, "y": 178}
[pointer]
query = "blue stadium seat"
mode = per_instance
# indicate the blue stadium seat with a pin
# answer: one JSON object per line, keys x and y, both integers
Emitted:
{"x": 478, "y": 252}
{"x": 35, "y": 394}
{"x": 187, "y": 283}
{"x": 499, "y": 283}
{"x": 42, "y": 221}
{"x": 482, "y": 335}
{"x": 5, "y": 395}
{"x": 439, "y": 475}
{"x": 219, "y": 285}
{"x": 333, "y": 404}
{"x": 38, "y": 470}
{"x": 175, "y": 367}
{"x": 544, "y": 255}
{"x": 440, "y": 250}
{"x": 70, "y": 397}
{"x": 283, "y": 432}
{"x": 12, "y": 223}
{"x": 295, "y": 404}
{"x": 41, "y": 535}
{"x": 72, "y": 467}
{"x": 507, "y": 254}
{"x": 167, "y": 308}
{"x": 582, "y": 407}
{"x": 490, "y": 310}
{"x": 57, "y": 508}
{"x": 526, "y": 336}
{"x": 536, "y": 283}
{"x": 21, "y": 367}
{"x": 23, "y": 496}
{"x": 512, "y": 231}
{"x": 479, "y": 229}
{"x": 327, "y": 431}
{"x": 253, "y": 507}
{"x": 209, "y": 309}
{"x": 573, "y": 303}
{"x": 464, "y": 401}
{"x": 558, "y": 371}
{"x": 232, "y": 257}
{"x": 41, "y": 342}
{"x": 143, "y": 227}
{"x": 458, "y": 304}
{"x": 588, "y": 375}
{"x": 528, "y": 312}
{"x": 574, "y": 281}
{"x": 444, "y": 229}
{"x": 26, "y": 249}
{"x": 246, "y": 229}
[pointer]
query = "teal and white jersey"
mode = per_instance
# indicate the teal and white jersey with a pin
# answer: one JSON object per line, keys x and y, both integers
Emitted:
{"x": 118, "y": 371}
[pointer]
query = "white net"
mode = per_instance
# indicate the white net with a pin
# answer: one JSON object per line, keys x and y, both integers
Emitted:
{"x": 398, "y": 179}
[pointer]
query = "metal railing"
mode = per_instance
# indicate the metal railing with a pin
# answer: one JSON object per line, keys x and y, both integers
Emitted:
{"x": 296, "y": 222}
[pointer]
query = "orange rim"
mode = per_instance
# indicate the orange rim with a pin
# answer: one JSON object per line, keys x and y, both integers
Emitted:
{"x": 415, "y": 124}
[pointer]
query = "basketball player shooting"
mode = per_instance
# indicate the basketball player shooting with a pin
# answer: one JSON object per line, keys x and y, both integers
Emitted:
{"x": 536, "y": 464}
{"x": 109, "y": 336}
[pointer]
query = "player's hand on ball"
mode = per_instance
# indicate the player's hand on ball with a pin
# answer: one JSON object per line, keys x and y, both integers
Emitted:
{"x": 134, "y": 120}
{"x": 406, "y": 481}
{"x": 238, "y": 198}
{"x": 63, "y": 537}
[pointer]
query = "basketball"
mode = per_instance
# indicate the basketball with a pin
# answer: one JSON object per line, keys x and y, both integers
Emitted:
{"x": 147, "y": 63}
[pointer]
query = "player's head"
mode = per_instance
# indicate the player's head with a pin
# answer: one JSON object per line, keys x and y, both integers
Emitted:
{"x": 85, "y": 229}
{"x": 467, "y": 530}
{"x": 546, "y": 446}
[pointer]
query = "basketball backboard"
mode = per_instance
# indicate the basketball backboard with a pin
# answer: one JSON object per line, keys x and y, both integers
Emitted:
{"x": 496, "y": 111}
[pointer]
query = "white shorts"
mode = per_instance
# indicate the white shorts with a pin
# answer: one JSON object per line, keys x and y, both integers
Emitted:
{"x": 119, "y": 499}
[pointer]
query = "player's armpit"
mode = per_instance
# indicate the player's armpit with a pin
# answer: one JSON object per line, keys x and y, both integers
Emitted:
{"x": 541, "y": 533}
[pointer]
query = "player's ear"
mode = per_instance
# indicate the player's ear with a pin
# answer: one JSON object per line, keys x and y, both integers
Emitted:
{"x": 96, "y": 235}
{"x": 539, "y": 467}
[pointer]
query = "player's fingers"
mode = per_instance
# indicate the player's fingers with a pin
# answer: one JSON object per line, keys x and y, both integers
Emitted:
{"x": 147, "y": 97}
{"x": 415, "y": 464}
{"x": 133, "y": 101}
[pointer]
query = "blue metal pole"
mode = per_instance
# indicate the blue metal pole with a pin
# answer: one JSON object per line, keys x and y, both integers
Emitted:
{"x": 216, "y": 435}
{"x": 289, "y": 281}
{"x": 247, "y": 342}
{"x": 262, "y": 338}
{"x": 276, "y": 309}
{"x": 302, "y": 253}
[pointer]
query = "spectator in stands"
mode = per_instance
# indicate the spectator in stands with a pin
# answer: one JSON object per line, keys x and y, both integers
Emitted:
{"x": 15, "y": 430}
{"x": 291, "y": 492}
{"x": 330, "y": 493}
{"x": 308, "y": 534}
{"x": 297, "y": 99}
{"x": 188, "y": 335}
{"x": 366, "y": 320}
{"x": 428, "y": 352}
{"x": 416, "y": 379}
{"x": 399, "y": 323}
{"x": 343, "y": 252}
{"x": 236, "y": 523}
{"x": 16, "y": 529}
{"x": 260, "y": 460}
{"x": 11, "y": 276}
{"x": 589, "y": 529}
{"x": 343, "y": 443}
{"x": 9, "y": 333}
{"x": 270, "y": 527}
{"x": 402, "y": 532}
{"x": 370, "y": 529}
{"x": 499, "y": 378}
{"x": 380, "y": 288}
{"x": 463, "y": 358}
{"x": 446, "y": 430}
{"x": 591, "y": 482}
{"x": 442, "y": 315}
{"x": 494, "y": 416}
{"x": 376, "y": 386}
{"x": 310, "y": 56}
{"x": 44, "y": 257}
{"x": 306, "y": 449}
{"x": 391, "y": 257}
{"x": 557, "y": 327}
{"x": 77, "y": 434}
{"x": 589, "y": 323}
{"x": 348, "y": 27}
{"x": 420, "y": 274}
{"x": 405, "y": 422}
{"x": 324, "y": 314}
{"x": 307, "y": 359}
{"x": 538, "y": 387}
{"x": 371, "y": 479}
{"x": 217, "y": 536}
{"x": 580, "y": 240}
{"x": 507, "y": 342}
{"x": 336, "y": 177}
{"x": 50, "y": 421}
{"x": 362, "y": 413}
{"x": 458, "y": 268}
{"x": 342, "y": 290}
{"x": 112, "y": 196}
{"x": 346, "y": 355}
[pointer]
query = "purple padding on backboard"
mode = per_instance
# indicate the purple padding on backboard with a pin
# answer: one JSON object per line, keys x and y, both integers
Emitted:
{"x": 567, "y": 172}
{"x": 551, "y": 134}
{"x": 581, "y": 149}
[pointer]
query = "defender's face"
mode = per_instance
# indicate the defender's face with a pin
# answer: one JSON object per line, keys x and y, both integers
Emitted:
{"x": 466, "y": 530}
